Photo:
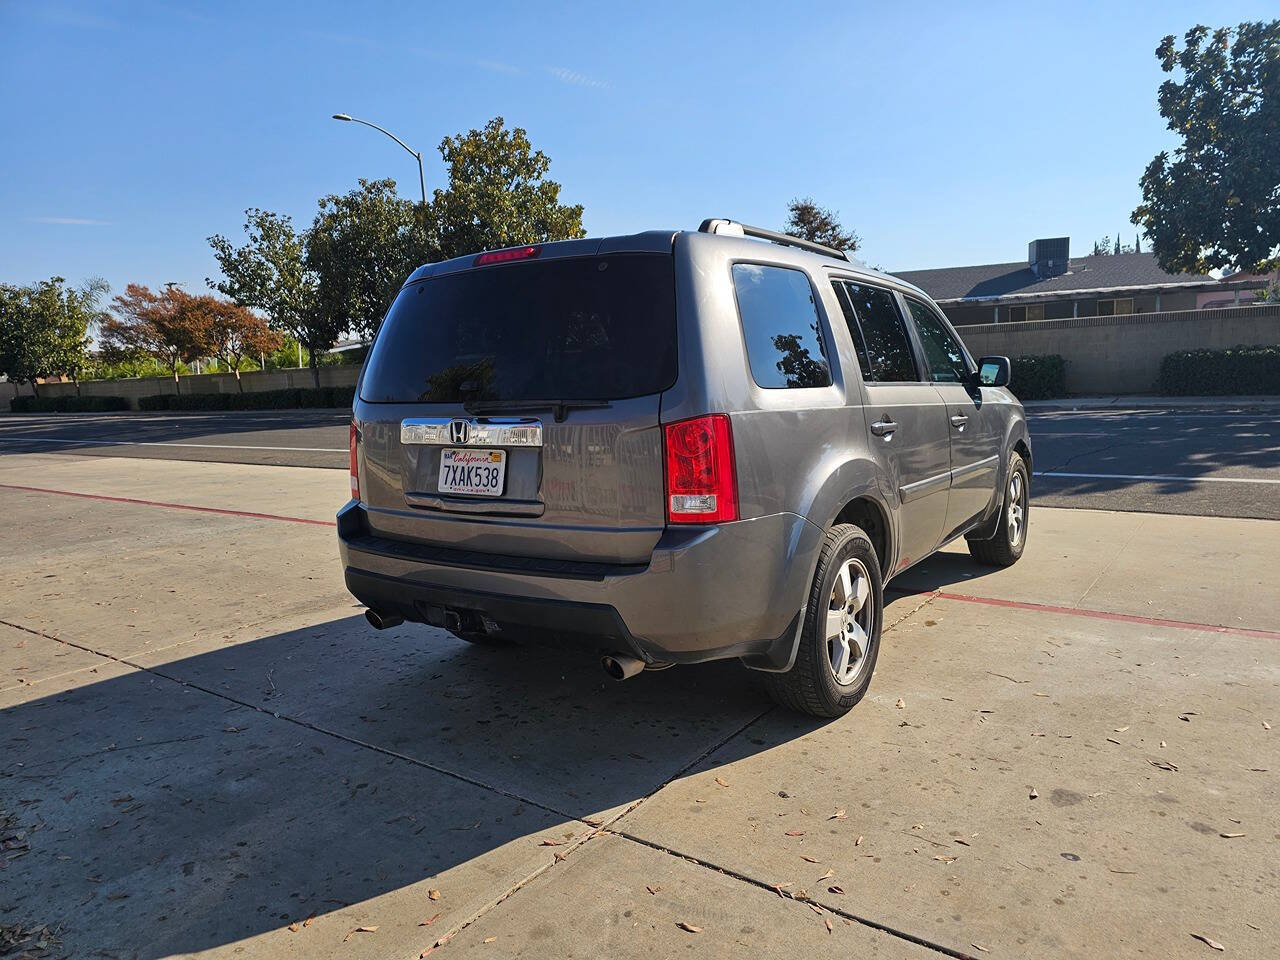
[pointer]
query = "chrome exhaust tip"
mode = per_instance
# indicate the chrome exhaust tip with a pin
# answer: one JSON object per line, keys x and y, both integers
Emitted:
{"x": 620, "y": 666}
{"x": 382, "y": 621}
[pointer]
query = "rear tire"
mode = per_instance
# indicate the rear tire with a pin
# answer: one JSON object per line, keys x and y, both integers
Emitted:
{"x": 1004, "y": 549}
{"x": 841, "y": 633}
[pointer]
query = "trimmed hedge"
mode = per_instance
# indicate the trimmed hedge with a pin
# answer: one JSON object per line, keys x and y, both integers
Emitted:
{"x": 1038, "y": 377}
{"x": 292, "y": 399}
{"x": 1240, "y": 371}
{"x": 67, "y": 404}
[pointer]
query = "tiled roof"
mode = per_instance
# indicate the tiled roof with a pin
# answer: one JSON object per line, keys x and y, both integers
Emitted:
{"x": 1119, "y": 271}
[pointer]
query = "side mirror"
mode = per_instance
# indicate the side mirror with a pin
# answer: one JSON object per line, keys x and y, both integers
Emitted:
{"x": 993, "y": 372}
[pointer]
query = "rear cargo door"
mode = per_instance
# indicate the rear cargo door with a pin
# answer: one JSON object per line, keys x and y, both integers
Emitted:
{"x": 513, "y": 408}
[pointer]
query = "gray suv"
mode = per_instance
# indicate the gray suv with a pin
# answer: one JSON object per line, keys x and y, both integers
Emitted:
{"x": 671, "y": 448}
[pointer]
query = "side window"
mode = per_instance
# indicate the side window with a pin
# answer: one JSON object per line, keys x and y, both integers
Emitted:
{"x": 879, "y": 333}
{"x": 780, "y": 321}
{"x": 941, "y": 350}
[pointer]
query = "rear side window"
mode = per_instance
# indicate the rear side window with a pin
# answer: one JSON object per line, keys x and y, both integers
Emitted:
{"x": 590, "y": 328}
{"x": 941, "y": 350}
{"x": 781, "y": 326}
{"x": 879, "y": 333}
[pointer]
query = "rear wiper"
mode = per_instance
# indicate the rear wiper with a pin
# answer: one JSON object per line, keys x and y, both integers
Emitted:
{"x": 559, "y": 408}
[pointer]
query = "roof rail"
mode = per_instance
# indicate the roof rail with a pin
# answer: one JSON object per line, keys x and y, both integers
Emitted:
{"x": 734, "y": 229}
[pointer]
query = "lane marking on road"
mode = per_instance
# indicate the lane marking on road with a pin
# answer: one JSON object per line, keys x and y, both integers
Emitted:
{"x": 1088, "y": 613}
{"x": 1156, "y": 478}
{"x": 169, "y": 443}
{"x": 172, "y": 506}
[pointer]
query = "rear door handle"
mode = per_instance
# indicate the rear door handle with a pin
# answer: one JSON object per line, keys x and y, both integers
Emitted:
{"x": 958, "y": 420}
{"x": 883, "y": 428}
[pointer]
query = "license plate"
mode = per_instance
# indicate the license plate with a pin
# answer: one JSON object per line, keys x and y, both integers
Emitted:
{"x": 479, "y": 473}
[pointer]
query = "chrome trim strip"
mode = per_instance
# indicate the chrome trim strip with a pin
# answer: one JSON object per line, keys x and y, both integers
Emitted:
{"x": 922, "y": 488}
{"x": 987, "y": 463}
{"x": 480, "y": 431}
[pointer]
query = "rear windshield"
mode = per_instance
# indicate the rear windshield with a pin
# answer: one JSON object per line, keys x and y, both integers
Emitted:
{"x": 593, "y": 328}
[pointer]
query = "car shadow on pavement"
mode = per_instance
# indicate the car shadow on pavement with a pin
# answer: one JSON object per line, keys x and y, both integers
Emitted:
{"x": 229, "y": 793}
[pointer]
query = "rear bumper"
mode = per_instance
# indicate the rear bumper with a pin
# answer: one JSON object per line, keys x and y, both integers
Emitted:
{"x": 707, "y": 593}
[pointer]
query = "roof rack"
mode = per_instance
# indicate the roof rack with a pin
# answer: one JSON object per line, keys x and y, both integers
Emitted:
{"x": 734, "y": 229}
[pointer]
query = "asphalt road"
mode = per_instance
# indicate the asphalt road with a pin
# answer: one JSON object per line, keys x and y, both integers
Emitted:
{"x": 1200, "y": 462}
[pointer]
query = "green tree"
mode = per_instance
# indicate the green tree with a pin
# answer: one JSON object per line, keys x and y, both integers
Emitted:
{"x": 808, "y": 221}
{"x": 1107, "y": 247}
{"x": 498, "y": 194}
{"x": 44, "y": 330}
{"x": 1216, "y": 201}
{"x": 361, "y": 247}
{"x": 269, "y": 273}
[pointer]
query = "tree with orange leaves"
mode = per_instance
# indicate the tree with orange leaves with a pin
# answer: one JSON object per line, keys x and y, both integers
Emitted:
{"x": 231, "y": 332}
{"x": 161, "y": 325}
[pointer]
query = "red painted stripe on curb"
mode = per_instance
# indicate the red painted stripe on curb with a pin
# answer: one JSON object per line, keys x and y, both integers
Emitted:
{"x": 172, "y": 506}
{"x": 1090, "y": 614}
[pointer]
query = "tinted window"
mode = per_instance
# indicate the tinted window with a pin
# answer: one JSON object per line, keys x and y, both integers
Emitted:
{"x": 879, "y": 333}
{"x": 593, "y": 328}
{"x": 780, "y": 321}
{"x": 941, "y": 350}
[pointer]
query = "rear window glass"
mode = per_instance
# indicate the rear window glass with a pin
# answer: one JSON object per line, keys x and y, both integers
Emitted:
{"x": 592, "y": 328}
{"x": 780, "y": 323}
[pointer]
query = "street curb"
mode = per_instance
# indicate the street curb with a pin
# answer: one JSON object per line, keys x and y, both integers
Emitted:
{"x": 1153, "y": 403}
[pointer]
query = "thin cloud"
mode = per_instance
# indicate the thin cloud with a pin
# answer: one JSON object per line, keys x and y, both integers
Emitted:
{"x": 497, "y": 66}
{"x": 70, "y": 221}
{"x": 573, "y": 77}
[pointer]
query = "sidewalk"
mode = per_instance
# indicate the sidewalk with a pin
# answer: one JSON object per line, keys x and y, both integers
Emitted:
{"x": 1152, "y": 402}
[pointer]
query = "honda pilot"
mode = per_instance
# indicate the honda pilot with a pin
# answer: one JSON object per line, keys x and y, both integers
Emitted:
{"x": 674, "y": 447}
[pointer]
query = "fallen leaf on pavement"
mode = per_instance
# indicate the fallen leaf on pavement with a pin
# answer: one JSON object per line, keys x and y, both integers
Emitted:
{"x": 1121, "y": 729}
{"x": 838, "y": 815}
{"x": 978, "y": 946}
{"x": 722, "y": 781}
{"x": 1163, "y": 744}
{"x": 428, "y": 922}
{"x": 946, "y": 859}
{"x": 962, "y": 842}
{"x": 307, "y": 922}
{"x": 1209, "y": 940}
{"x": 1163, "y": 764}
{"x": 828, "y": 875}
{"x": 489, "y": 939}
{"x": 1113, "y": 740}
{"x": 433, "y": 894}
{"x": 1032, "y": 795}
{"x": 795, "y": 833}
{"x": 1265, "y": 725}
{"x": 827, "y": 921}
{"x": 359, "y": 930}
{"x": 835, "y": 888}
{"x": 805, "y": 856}
{"x": 553, "y": 843}
{"x": 901, "y": 704}
{"x": 653, "y": 891}
{"x": 858, "y": 842}
{"x": 295, "y": 927}
{"x": 1230, "y": 836}
{"x": 689, "y": 926}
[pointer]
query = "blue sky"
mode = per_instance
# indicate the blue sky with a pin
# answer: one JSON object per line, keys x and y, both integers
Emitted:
{"x": 942, "y": 135}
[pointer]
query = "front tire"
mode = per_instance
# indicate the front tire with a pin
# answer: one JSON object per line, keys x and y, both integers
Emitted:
{"x": 1004, "y": 549}
{"x": 840, "y": 639}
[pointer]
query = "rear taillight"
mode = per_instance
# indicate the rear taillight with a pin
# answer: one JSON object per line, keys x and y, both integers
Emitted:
{"x": 701, "y": 484}
{"x": 355, "y": 468}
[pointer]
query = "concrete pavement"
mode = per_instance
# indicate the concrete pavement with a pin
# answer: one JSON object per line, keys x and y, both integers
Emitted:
{"x": 217, "y": 756}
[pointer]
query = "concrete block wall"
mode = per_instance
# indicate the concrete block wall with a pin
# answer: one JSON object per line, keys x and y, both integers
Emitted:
{"x": 339, "y": 376}
{"x": 1118, "y": 355}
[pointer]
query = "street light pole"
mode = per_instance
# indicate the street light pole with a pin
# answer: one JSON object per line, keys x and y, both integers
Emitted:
{"x": 416, "y": 154}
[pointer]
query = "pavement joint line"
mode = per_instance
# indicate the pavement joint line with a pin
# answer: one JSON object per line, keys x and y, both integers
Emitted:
{"x": 169, "y": 443}
{"x": 787, "y": 895}
{"x": 1091, "y": 614}
{"x": 1111, "y": 561}
{"x": 172, "y": 506}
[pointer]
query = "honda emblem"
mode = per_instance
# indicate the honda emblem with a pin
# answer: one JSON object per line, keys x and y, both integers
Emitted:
{"x": 459, "y": 431}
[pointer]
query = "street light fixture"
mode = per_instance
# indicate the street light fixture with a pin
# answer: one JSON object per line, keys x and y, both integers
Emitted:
{"x": 417, "y": 155}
